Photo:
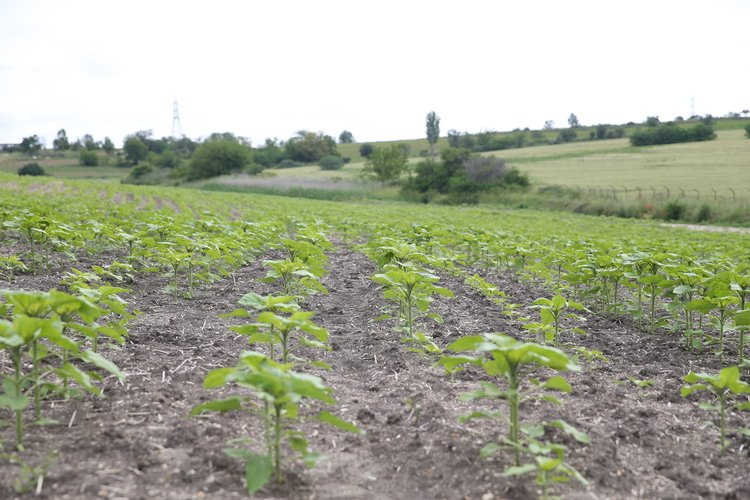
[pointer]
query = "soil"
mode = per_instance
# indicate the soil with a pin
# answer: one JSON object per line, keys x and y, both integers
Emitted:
{"x": 138, "y": 442}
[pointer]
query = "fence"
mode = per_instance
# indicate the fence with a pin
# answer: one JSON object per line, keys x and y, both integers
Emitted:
{"x": 625, "y": 193}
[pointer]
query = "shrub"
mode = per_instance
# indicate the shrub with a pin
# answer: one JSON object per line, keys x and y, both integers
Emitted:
{"x": 332, "y": 162}
{"x": 704, "y": 213}
{"x": 218, "y": 157}
{"x": 88, "y": 158}
{"x": 254, "y": 168}
{"x": 747, "y": 130}
{"x": 31, "y": 169}
{"x": 287, "y": 163}
{"x": 516, "y": 177}
{"x": 485, "y": 170}
{"x": 365, "y": 150}
{"x": 674, "y": 210}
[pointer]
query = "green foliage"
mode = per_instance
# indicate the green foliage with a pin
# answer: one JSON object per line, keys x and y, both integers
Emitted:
{"x": 502, "y": 356}
{"x": 30, "y": 145}
{"x": 346, "y": 137}
{"x": 31, "y": 169}
{"x": 88, "y": 158}
{"x": 135, "y": 149}
{"x": 674, "y": 210}
{"x": 108, "y": 146}
{"x": 61, "y": 142}
{"x": 308, "y": 147}
{"x": 365, "y": 150}
{"x": 573, "y": 120}
{"x": 284, "y": 394}
{"x": 566, "y": 135}
{"x": 669, "y": 133}
{"x": 724, "y": 385}
{"x": 218, "y": 157}
{"x": 747, "y": 130}
{"x": 333, "y": 162}
{"x": 432, "y": 125}
{"x": 386, "y": 164}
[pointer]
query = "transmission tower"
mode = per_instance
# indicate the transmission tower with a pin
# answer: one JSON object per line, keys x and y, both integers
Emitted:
{"x": 176, "y": 127}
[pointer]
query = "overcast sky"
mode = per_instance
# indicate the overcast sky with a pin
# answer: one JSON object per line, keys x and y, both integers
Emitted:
{"x": 270, "y": 68}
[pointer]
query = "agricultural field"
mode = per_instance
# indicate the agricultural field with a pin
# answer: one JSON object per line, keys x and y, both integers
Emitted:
{"x": 175, "y": 343}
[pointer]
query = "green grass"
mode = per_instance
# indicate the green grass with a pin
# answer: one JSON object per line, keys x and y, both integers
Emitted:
{"x": 720, "y": 164}
{"x": 64, "y": 165}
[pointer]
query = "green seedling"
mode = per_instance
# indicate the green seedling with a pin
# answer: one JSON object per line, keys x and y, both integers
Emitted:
{"x": 285, "y": 393}
{"x": 723, "y": 386}
{"x": 412, "y": 289}
{"x": 502, "y": 356}
{"x": 552, "y": 313}
{"x": 549, "y": 467}
{"x": 295, "y": 276}
{"x": 10, "y": 265}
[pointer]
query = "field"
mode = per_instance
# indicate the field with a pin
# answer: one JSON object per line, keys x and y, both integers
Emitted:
{"x": 720, "y": 164}
{"x": 659, "y": 303}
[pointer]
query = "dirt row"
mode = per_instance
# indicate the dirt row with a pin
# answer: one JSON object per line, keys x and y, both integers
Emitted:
{"x": 137, "y": 442}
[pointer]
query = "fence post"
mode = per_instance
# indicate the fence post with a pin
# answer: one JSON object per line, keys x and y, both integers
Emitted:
{"x": 638, "y": 188}
{"x": 697, "y": 194}
{"x": 716, "y": 196}
{"x": 667, "y": 190}
{"x": 734, "y": 195}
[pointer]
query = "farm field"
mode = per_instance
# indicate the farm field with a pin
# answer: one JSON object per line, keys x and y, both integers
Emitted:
{"x": 718, "y": 164}
{"x": 153, "y": 275}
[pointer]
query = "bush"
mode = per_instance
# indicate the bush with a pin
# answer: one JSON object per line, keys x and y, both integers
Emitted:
{"x": 287, "y": 163}
{"x": 141, "y": 170}
{"x": 365, "y": 150}
{"x": 672, "y": 134}
{"x": 747, "y": 130}
{"x": 31, "y": 169}
{"x": 218, "y": 157}
{"x": 485, "y": 170}
{"x": 331, "y": 162}
{"x": 516, "y": 178}
{"x": 704, "y": 214}
{"x": 88, "y": 158}
{"x": 674, "y": 210}
{"x": 254, "y": 168}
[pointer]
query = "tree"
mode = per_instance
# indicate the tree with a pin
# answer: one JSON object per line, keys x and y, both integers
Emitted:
{"x": 108, "y": 146}
{"x": 346, "y": 137}
{"x": 30, "y": 145}
{"x": 387, "y": 164}
{"x": 135, "y": 149}
{"x": 433, "y": 130}
{"x": 365, "y": 150}
{"x": 573, "y": 120}
{"x": 310, "y": 147}
{"x": 89, "y": 143}
{"x": 549, "y": 125}
{"x": 219, "y": 157}
{"x": 61, "y": 142}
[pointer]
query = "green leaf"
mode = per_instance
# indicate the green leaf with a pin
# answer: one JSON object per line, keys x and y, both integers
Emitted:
{"x": 11, "y": 398}
{"x": 568, "y": 429}
{"x": 335, "y": 421}
{"x": 221, "y": 405}
{"x": 217, "y": 377}
{"x": 467, "y": 343}
{"x": 557, "y": 383}
{"x": 703, "y": 306}
{"x": 258, "y": 472}
{"x": 489, "y": 449}
{"x": 519, "y": 470}
{"x": 79, "y": 376}
{"x": 100, "y": 361}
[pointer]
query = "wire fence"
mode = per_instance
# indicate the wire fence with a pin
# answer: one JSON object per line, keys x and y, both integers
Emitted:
{"x": 658, "y": 193}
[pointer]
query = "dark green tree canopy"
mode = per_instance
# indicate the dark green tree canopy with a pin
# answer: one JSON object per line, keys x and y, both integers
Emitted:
{"x": 135, "y": 149}
{"x": 346, "y": 137}
{"x": 61, "y": 142}
{"x": 219, "y": 157}
{"x": 433, "y": 130}
{"x": 310, "y": 147}
{"x": 387, "y": 164}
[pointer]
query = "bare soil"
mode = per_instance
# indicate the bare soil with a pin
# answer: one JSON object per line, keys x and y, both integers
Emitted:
{"x": 139, "y": 443}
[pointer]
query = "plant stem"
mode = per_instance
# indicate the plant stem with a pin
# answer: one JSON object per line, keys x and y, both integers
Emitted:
{"x": 35, "y": 378}
{"x": 277, "y": 443}
{"x": 513, "y": 403}
{"x": 16, "y": 353}
{"x": 722, "y": 416}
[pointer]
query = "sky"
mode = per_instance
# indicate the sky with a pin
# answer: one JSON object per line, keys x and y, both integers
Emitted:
{"x": 261, "y": 69}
